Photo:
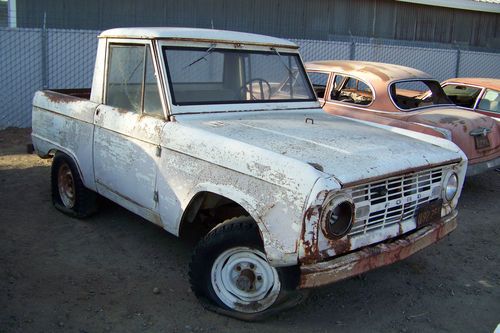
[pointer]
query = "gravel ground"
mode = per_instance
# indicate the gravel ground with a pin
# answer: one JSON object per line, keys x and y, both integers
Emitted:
{"x": 115, "y": 272}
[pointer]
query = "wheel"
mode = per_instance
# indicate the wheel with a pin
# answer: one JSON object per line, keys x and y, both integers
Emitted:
{"x": 69, "y": 195}
{"x": 230, "y": 269}
{"x": 248, "y": 87}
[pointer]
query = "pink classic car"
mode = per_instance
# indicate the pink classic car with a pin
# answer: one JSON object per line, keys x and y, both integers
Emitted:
{"x": 407, "y": 98}
{"x": 481, "y": 95}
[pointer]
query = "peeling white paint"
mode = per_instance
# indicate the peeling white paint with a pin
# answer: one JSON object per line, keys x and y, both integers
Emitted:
{"x": 265, "y": 157}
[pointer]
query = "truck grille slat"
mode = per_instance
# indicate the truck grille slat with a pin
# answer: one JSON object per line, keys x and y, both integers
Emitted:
{"x": 394, "y": 199}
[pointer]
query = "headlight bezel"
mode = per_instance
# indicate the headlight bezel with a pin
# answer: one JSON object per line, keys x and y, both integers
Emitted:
{"x": 345, "y": 205}
{"x": 453, "y": 177}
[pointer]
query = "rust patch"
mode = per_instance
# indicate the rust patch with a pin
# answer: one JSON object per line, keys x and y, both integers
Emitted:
{"x": 59, "y": 98}
{"x": 341, "y": 245}
{"x": 310, "y": 213}
{"x": 374, "y": 256}
{"x": 448, "y": 120}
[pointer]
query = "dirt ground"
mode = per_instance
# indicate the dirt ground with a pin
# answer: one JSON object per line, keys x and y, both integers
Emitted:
{"x": 59, "y": 274}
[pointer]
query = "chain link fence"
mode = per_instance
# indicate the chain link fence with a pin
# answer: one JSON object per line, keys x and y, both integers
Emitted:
{"x": 34, "y": 59}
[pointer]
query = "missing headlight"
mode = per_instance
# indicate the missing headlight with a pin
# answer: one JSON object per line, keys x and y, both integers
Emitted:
{"x": 338, "y": 216}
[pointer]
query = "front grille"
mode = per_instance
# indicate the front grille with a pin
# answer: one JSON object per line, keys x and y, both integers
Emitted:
{"x": 383, "y": 203}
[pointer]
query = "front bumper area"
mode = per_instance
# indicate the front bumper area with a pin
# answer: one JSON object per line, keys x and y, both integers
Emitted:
{"x": 371, "y": 257}
{"x": 481, "y": 167}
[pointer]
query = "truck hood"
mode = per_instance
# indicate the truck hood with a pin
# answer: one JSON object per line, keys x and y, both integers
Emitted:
{"x": 298, "y": 147}
{"x": 461, "y": 123}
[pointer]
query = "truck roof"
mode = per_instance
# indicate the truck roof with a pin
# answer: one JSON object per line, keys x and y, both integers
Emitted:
{"x": 196, "y": 34}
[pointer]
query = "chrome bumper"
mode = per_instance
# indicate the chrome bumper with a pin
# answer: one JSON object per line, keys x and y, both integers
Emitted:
{"x": 481, "y": 167}
{"x": 371, "y": 257}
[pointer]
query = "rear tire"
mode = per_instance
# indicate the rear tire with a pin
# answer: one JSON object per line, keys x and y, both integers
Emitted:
{"x": 230, "y": 269}
{"x": 69, "y": 195}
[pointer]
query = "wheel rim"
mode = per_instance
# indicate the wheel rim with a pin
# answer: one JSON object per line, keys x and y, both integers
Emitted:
{"x": 244, "y": 281}
{"x": 66, "y": 185}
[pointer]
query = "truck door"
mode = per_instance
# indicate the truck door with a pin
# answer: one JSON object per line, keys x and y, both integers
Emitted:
{"x": 128, "y": 128}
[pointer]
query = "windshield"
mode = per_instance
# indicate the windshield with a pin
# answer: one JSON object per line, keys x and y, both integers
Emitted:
{"x": 216, "y": 76}
{"x": 409, "y": 95}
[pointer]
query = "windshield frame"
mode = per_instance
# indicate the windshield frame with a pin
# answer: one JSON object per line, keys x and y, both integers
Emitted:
{"x": 425, "y": 94}
{"x": 235, "y": 106}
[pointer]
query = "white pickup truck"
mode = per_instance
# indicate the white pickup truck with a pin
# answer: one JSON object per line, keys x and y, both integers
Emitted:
{"x": 218, "y": 135}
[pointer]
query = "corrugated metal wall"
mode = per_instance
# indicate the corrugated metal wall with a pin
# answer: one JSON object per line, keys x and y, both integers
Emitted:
{"x": 311, "y": 19}
{"x": 3, "y": 14}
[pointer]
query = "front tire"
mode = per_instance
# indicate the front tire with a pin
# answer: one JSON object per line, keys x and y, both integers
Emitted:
{"x": 69, "y": 195}
{"x": 230, "y": 269}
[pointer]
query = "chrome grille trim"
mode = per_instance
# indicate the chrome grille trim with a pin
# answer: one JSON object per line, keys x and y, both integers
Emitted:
{"x": 394, "y": 199}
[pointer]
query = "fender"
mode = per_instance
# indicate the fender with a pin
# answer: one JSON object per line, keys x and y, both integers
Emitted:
{"x": 277, "y": 254}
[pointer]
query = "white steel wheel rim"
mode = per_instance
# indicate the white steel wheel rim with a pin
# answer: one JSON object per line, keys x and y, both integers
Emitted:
{"x": 244, "y": 281}
{"x": 66, "y": 185}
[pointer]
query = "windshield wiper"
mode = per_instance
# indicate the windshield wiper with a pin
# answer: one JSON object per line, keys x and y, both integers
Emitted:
{"x": 282, "y": 61}
{"x": 203, "y": 57}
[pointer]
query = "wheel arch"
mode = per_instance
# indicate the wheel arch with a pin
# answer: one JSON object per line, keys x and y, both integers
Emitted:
{"x": 210, "y": 196}
{"x": 53, "y": 152}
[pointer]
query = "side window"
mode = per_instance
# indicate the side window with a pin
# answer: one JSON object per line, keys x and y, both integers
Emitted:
{"x": 462, "y": 95}
{"x": 338, "y": 81}
{"x": 490, "y": 101}
{"x": 350, "y": 84}
{"x": 125, "y": 75}
{"x": 353, "y": 91}
{"x": 152, "y": 102}
{"x": 319, "y": 82}
{"x": 413, "y": 94}
{"x": 131, "y": 83}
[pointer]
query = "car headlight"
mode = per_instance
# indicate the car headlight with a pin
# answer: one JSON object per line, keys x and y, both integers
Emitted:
{"x": 338, "y": 216}
{"x": 450, "y": 188}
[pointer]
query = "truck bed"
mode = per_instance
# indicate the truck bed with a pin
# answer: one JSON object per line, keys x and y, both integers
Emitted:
{"x": 63, "y": 120}
{"x": 83, "y": 93}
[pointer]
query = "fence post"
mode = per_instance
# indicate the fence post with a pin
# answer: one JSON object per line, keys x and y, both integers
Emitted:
{"x": 44, "y": 57}
{"x": 352, "y": 53}
{"x": 457, "y": 67}
{"x": 12, "y": 13}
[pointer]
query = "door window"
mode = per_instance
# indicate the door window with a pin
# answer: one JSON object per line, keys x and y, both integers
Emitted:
{"x": 462, "y": 95}
{"x": 352, "y": 91}
{"x": 152, "y": 102}
{"x": 490, "y": 101}
{"x": 131, "y": 83}
{"x": 319, "y": 82}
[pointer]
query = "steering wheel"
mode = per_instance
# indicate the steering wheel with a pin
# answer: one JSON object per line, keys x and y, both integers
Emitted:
{"x": 248, "y": 87}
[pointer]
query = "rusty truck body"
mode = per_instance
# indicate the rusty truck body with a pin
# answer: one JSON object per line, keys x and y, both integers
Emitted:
{"x": 218, "y": 135}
